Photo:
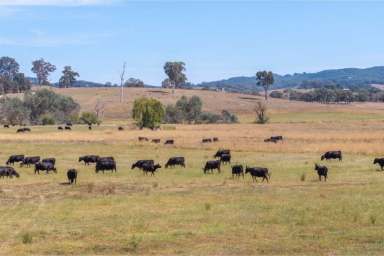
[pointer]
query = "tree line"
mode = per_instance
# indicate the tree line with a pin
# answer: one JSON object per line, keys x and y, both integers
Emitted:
{"x": 332, "y": 94}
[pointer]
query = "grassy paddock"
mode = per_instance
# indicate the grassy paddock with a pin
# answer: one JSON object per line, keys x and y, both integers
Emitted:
{"x": 182, "y": 211}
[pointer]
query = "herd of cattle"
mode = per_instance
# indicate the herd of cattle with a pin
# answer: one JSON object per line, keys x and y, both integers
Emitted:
{"x": 102, "y": 164}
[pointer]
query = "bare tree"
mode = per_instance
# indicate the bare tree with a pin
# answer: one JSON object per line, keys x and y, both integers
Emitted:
{"x": 261, "y": 112}
{"x": 122, "y": 82}
{"x": 100, "y": 109}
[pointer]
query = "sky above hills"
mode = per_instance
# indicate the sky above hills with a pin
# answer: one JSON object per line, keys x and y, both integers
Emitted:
{"x": 216, "y": 39}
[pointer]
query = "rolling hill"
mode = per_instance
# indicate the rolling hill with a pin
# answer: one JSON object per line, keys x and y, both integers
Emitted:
{"x": 346, "y": 77}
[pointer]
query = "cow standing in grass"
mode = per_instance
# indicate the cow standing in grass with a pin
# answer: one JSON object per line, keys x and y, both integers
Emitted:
{"x": 72, "y": 176}
{"x": 332, "y": 155}
{"x": 258, "y": 172}
{"x": 14, "y": 159}
{"x": 177, "y": 160}
{"x": 379, "y": 161}
{"x": 237, "y": 170}
{"x": 322, "y": 171}
{"x": 212, "y": 165}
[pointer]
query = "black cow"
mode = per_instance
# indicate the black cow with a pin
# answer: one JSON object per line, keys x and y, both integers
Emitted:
{"x": 169, "y": 142}
{"x": 379, "y": 161}
{"x": 206, "y": 140}
{"x": 120, "y": 128}
{"x": 105, "y": 164}
{"x": 277, "y": 138}
{"x": 270, "y": 140}
{"x": 139, "y": 164}
{"x": 321, "y": 171}
{"x": 143, "y": 139}
{"x": 150, "y": 168}
{"x": 332, "y": 155}
{"x": 6, "y": 126}
{"x": 22, "y": 130}
{"x": 237, "y": 170}
{"x": 15, "y": 159}
{"x": 156, "y": 141}
{"x": 222, "y": 152}
{"x": 9, "y": 172}
{"x": 44, "y": 166}
{"x": 29, "y": 160}
{"x": 256, "y": 172}
{"x": 212, "y": 165}
{"x": 49, "y": 160}
{"x": 215, "y": 139}
{"x": 89, "y": 127}
{"x": 60, "y": 128}
{"x": 68, "y": 124}
{"x": 89, "y": 159}
{"x": 68, "y": 128}
{"x": 225, "y": 158}
{"x": 72, "y": 176}
{"x": 177, "y": 160}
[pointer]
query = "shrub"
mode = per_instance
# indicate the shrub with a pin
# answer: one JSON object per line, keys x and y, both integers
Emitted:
{"x": 276, "y": 94}
{"x": 26, "y": 238}
{"x": 89, "y": 118}
{"x": 148, "y": 113}
{"x": 261, "y": 113}
{"x": 47, "y": 120}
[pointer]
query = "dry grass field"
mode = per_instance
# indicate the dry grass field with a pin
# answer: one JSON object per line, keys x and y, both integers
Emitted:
{"x": 184, "y": 212}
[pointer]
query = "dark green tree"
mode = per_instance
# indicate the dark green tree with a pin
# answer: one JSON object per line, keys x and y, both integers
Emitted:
{"x": 175, "y": 72}
{"x": 42, "y": 69}
{"x": 264, "y": 79}
{"x": 134, "y": 82}
{"x": 68, "y": 78}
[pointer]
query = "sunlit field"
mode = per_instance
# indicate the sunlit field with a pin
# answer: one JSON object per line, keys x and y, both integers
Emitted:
{"x": 182, "y": 211}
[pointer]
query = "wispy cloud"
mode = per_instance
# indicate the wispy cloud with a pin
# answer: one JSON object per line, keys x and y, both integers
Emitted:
{"x": 56, "y": 2}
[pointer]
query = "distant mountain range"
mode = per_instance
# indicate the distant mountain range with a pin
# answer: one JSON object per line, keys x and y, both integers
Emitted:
{"x": 347, "y": 77}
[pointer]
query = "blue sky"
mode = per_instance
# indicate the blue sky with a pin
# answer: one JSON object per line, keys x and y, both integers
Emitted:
{"x": 216, "y": 39}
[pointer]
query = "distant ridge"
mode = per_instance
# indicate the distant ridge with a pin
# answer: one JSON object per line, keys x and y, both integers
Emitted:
{"x": 347, "y": 77}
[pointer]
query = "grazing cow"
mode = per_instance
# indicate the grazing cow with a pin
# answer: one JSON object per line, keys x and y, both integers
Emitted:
{"x": 22, "y": 130}
{"x": 379, "y": 161}
{"x": 221, "y": 152}
{"x": 177, "y": 160}
{"x": 120, "y": 128}
{"x": 277, "y": 138}
{"x": 212, "y": 165}
{"x": 332, "y": 155}
{"x": 150, "y": 168}
{"x": 89, "y": 159}
{"x": 9, "y": 172}
{"x": 256, "y": 172}
{"x": 89, "y": 127}
{"x": 68, "y": 124}
{"x": 321, "y": 171}
{"x": 29, "y": 160}
{"x": 270, "y": 140}
{"x": 44, "y": 166}
{"x": 105, "y": 165}
{"x": 156, "y": 141}
{"x": 225, "y": 158}
{"x": 206, "y": 140}
{"x": 139, "y": 164}
{"x": 215, "y": 139}
{"x": 237, "y": 170}
{"x": 15, "y": 159}
{"x": 72, "y": 176}
{"x": 143, "y": 139}
{"x": 49, "y": 160}
{"x": 60, "y": 128}
{"x": 68, "y": 128}
{"x": 6, "y": 126}
{"x": 169, "y": 142}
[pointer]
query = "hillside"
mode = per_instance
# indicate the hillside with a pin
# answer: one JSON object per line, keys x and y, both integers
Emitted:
{"x": 347, "y": 77}
{"x": 241, "y": 104}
